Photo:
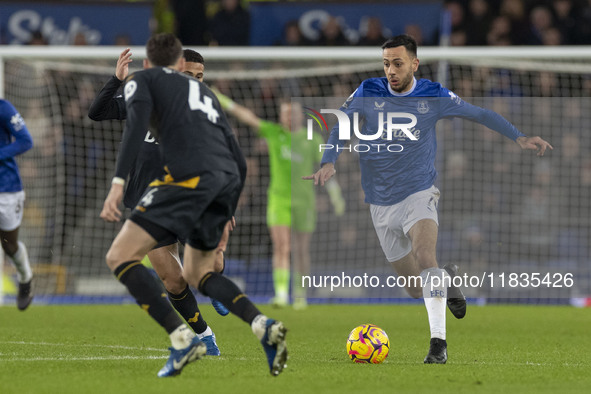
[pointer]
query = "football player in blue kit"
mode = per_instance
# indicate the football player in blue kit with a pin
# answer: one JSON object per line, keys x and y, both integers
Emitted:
{"x": 398, "y": 172}
{"x": 14, "y": 140}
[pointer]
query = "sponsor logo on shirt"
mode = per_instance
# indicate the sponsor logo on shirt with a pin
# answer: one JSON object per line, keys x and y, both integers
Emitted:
{"x": 378, "y": 106}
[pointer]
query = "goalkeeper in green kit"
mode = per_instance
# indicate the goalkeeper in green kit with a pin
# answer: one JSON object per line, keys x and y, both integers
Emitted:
{"x": 291, "y": 156}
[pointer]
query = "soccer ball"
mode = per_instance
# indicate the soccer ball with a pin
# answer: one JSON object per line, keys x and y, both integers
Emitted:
{"x": 368, "y": 344}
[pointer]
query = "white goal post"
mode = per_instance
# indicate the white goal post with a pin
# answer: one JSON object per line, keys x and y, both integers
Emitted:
{"x": 357, "y": 54}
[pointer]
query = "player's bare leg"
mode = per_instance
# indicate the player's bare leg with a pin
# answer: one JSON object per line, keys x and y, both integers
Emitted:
{"x": 301, "y": 267}
{"x": 219, "y": 265}
{"x": 9, "y": 241}
{"x": 132, "y": 243}
{"x": 198, "y": 271}
{"x": 17, "y": 253}
{"x": 422, "y": 261}
{"x": 281, "y": 240}
{"x": 409, "y": 268}
{"x": 167, "y": 264}
{"x": 123, "y": 258}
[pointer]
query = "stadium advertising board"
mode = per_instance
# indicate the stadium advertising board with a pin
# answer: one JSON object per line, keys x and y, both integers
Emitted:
{"x": 59, "y": 23}
{"x": 269, "y": 19}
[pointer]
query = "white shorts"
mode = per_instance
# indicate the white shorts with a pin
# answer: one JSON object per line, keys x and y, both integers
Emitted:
{"x": 11, "y": 210}
{"x": 393, "y": 222}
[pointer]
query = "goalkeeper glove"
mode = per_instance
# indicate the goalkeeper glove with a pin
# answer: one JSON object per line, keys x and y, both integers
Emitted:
{"x": 336, "y": 197}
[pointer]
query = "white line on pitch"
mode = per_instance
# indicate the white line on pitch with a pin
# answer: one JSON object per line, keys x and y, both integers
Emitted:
{"x": 105, "y": 358}
{"x": 83, "y": 345}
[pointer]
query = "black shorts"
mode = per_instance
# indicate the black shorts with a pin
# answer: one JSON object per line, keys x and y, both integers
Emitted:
{"x": 169, "y": 239}
{"x": 195, "y": 210}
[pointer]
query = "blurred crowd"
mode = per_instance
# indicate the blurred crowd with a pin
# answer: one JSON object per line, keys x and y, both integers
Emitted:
{"x": 473, "y": 22}
{"x": 520, "y": 22}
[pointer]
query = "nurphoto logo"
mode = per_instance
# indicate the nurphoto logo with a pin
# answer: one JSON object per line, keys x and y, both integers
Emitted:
{"x": 388, "y": 129}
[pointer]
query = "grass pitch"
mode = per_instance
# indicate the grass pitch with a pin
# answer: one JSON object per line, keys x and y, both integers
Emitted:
{"x": 118, "y": 349}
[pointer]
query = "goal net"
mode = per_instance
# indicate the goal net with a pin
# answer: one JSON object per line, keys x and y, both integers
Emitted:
{"x": 517, "y": 224}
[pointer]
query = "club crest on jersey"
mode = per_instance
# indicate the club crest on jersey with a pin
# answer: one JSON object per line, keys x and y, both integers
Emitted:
{"x": 17, "y": 122}
{"x": 378, "y": 106}
{"x": 423, "y": 107}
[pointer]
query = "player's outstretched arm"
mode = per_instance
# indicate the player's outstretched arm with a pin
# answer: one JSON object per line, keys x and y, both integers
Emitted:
{"x": 105, "y": 106}
{"x": 534, "y": 143}
{"x": 13, "y": 122}
{"x": 122, "y": 69}
{"x": 495, "y": 122}
{"x": 111, "y": 211}
{"x": 325, "y": 172}
{"x": 242, "y": 113}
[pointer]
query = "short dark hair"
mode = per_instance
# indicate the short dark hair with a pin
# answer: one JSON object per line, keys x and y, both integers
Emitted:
{"x": 163, "y": 49}
{"x": 193, "y": 56}
{"x": 402, "y": 40}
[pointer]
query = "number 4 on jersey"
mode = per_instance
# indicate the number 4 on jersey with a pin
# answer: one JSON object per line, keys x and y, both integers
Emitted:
{"x": 205, "y": 106}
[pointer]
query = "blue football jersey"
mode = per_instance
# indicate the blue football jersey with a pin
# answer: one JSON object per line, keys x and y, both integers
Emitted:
{"x": 397, "y": 142}
{"x": 14, "y": 140}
